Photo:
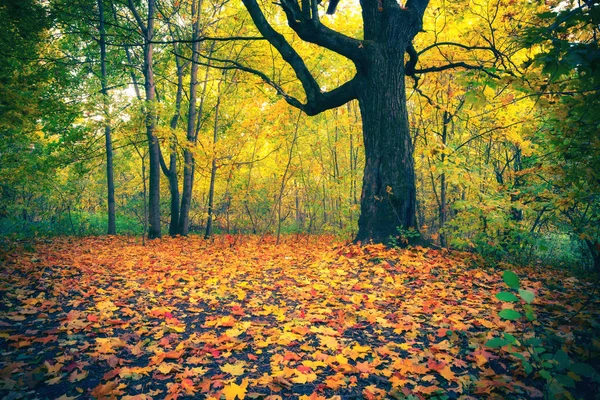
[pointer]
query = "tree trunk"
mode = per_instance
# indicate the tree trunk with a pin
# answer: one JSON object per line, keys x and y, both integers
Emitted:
{"x": 213, "y": 170}
{"x": 388, "y": 199}
{"x": 153, "y": 146}
{"x": 171, "y": 170}
{"x": 443, "y": 209}
{"x": 110, "y": 182}
{"x": 188, "y": 156}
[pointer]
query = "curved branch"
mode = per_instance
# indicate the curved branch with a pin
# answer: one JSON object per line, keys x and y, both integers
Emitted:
{"x": 411, "y": 64}
{"x": 313, "y": 31}
{"x": 310, "y": 85}
{"x": 316, "y": 101}
{"x": 462, "y": 46}
{"x": 324, "y": 101}
{"x": 457, "y": 65}
{"x": 207, "y": 38}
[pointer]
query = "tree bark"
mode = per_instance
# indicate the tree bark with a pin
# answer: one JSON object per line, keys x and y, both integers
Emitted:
{"x": 388, "y": 199}
{"x": 110, "y": 181}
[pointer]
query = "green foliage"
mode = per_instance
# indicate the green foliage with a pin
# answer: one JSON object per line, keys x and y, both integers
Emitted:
{"x": 404, "y": 237}
{"x": 537, "y": 354}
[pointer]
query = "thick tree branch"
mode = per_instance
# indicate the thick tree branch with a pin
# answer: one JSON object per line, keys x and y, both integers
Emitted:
{"x": 418, "y": 6}
{"x": 316, "y": 102}
{"x": 311, "y": 30}
{"x": 310, "y": 85}
{"x": 324, "y": 101}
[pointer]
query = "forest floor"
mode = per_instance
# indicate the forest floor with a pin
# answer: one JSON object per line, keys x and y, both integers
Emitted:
{"x": 312, "y": 319}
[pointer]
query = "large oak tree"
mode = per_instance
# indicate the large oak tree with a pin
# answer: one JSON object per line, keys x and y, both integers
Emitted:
{"x": 388, "y": 199}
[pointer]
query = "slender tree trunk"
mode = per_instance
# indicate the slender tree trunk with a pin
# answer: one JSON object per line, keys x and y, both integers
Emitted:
{"x": 284, "y": 178}
{"x": 153, "y": 145}
{"x": 188, "y": 156}
{"x": 213, "y": 170}
{"x": 110, "y": 182}
{"x": 388, "y": 199}
{"x": 171, "y": 172}
{"x": 443, "y": 207}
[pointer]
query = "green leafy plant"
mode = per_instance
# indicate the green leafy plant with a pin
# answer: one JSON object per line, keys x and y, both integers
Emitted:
{"x": 537, "y": 354}
{"x": 404, "y": 237}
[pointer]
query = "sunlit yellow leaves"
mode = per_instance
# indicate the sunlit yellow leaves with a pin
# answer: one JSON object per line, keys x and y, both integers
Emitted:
{"x": 313, "y": 364}
{"x": 328, "y": 341}
{"x": 227, "y": 321}
{"x": 109, "y": 345}
{"x": 106, "y": 305}
{"x": 166, "y": 368}
{"x": 335, "y": 381}
{"x": 357, "y": 351}
{"x": 233, "y": 390}
{"x": 406, "y": 366}
{"x": 234, "y": 369}
{"x": 238, "y": 329}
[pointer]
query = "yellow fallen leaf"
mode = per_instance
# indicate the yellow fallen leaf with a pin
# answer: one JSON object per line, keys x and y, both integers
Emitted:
{"x": 234, "y": 369}
{"x": 234, "y": 390}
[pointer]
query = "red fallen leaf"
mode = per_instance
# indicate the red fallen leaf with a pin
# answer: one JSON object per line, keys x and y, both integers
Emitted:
{"x": 291, "y": 356}
{"x": 188, "y": 386}
{"x": 161, "y": 377}
{"x": 113, "y": 361}
{"x": 252, "y": 357}
{"x": 304, "y": 369}
{"x": 435, "y": 366}
{"x": 111, "y": 374}
{"x": 205, "y": 385}
{"x": 237, "y": 310}
{"x": 442, "y": 332}
{"x": 92, "y": 318}
{"x": 104, "y": 389}
{"x": 426, "y": 389}
{"x": 174, "y": 354}
{"x": 47, "y": 339}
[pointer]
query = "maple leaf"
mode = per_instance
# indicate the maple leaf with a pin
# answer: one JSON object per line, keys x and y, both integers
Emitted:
{"x": 329, "y": 342}
{"x": 233, "y": 390}
{"x": 77, "y": 376}
{"x": 188, "y": 386}
{"x": 53, "y": 369}
{"x": 447, "y": 373}
{"x": 335, "y": 382}
{"x": 234, "y": 369}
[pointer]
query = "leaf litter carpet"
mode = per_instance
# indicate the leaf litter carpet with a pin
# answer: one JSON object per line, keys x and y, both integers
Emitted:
{"x": 108, "y": 318}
